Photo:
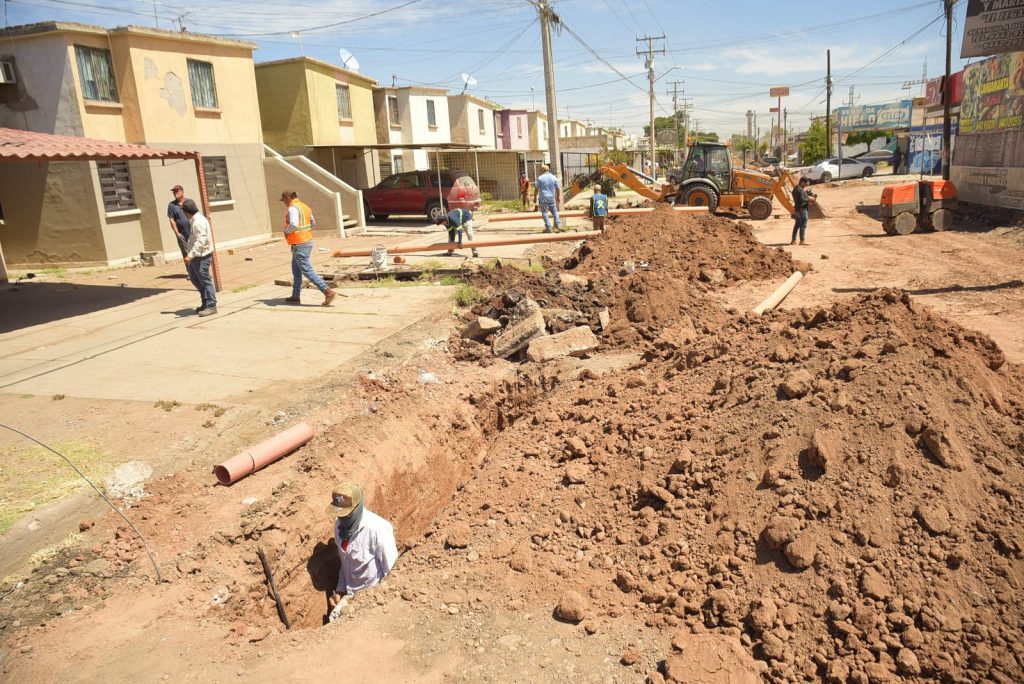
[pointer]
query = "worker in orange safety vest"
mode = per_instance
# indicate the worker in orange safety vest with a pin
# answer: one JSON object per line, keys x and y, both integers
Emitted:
{"x": 298, "y": 231}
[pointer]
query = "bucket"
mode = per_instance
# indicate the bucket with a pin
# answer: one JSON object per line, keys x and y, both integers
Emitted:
{"x": 379, "y": 258}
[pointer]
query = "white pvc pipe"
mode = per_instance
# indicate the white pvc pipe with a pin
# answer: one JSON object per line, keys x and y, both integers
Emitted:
{"x": 775, "y": 298}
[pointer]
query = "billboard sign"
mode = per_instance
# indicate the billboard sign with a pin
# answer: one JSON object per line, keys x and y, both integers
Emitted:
{"x": 993, "y": 27}
{"x": 933, "y": 90}
{"x": 875, "y": 117}
{"x": 783, "y": 91}
{"x": 993, "y": 94}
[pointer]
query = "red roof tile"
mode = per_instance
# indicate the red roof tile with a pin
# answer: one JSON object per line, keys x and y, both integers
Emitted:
{"x": 16, "y": 144}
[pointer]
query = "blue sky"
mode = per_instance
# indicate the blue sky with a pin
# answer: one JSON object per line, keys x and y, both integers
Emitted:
{"x": 730, "y": 51}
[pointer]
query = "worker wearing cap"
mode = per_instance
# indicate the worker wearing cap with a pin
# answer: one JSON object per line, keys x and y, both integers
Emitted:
{"x": 179, "y": 222}
{"x": 298, "y": 233}
{"x": 802, "y": 198}
{"x": 456, "y": 221}
{"x": 366, "y": 542}
{"x": 598, "y": 208}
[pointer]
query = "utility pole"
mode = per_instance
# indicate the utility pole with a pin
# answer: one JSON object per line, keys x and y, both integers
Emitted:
{"x": 947, "y": 91}
{"x": 828, "y": 103}
{"x": 648, "y": 55}
{"x": 675, "y": 115}
{"x": 785, "y": 136}
{"x": 547, "y": 16}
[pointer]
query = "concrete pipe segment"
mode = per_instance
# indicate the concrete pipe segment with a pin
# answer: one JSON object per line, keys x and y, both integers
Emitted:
{"x": 264, "y": 453}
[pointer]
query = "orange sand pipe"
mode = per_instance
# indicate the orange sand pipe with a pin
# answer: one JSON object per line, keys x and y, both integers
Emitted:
{"x": 264, "y": 453}
{"x": 499, "y": 242}
{"x": 578, "y": 214}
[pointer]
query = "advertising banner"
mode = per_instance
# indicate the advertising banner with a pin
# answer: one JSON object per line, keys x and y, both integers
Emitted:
{"x": 780, "y": 91}
{"x": 992, "y": 187}
{"x": 993, "y": 27}
{"x": 876, "y": 117}
{"x": 933, "y": 90}
{"x": 993, "y": 94}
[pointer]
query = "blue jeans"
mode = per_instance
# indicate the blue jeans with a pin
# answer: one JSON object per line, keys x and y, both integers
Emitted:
{"x": 801, "y": 224}
{"x": 545, "y": 207}
{"x": 199, "y": 273}
{"x": 302, "y": 266}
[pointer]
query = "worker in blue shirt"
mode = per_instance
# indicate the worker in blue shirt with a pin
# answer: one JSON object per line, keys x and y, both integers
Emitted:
{"x": 547, "y": 197}
{"x": 598, "y": 208}
{"x": 456, "y": 221}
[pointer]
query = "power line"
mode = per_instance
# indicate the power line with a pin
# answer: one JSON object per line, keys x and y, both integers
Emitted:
{"x": 321, "y": 27}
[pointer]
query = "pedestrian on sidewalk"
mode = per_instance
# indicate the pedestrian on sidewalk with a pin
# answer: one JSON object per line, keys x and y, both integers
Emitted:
{"x": 802, "y": 198}
{"x": 598, "y": 208}
{"x": 179, "y": 222}
{"x": 456, "y": 221}
{"x": 548, "y": 191}
{"x": 366, "y": 542}
{"x": 199, "y": 258}
{"x": 298, "y": 231}
{"x": 897, "y": 160}
{"x": 524, "y": 190}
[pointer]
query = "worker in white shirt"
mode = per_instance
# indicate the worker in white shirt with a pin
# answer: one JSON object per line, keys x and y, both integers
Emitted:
{"x": 366, "y": 542}
{"x": 199, "y": 257}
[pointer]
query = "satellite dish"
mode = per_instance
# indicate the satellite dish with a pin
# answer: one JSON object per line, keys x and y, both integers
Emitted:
{"x": 348, "y": 60}
{"x": 468, "y": 80}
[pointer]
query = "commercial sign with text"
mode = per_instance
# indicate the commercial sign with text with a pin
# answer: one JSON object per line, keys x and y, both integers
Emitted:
{"x": 993, "y": 27}
{"x": 993, "y": 94}
{"x": 875, "y": 117}
{"x": 781, "y": 91}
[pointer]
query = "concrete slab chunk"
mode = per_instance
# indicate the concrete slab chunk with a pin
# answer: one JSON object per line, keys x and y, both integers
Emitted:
{"x": 528, "y": 324}
{"x": 574, "y": 342}
{"x": 480, "y": 328}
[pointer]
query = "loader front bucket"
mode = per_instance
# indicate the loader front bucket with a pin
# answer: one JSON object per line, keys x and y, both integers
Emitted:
{"x": 814, "y": 211}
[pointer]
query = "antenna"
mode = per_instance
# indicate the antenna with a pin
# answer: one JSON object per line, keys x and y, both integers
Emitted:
{"x": 468, "y": 81}
{"x": 348, "y": 60}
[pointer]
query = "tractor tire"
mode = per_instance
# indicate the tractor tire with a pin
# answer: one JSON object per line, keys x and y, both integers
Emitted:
{"x": 825, "y": 177}
{"x": 701, "y": 196}
{"x": 760, "y": 208}
{"x": 435, "y": 210}
{"x": 942, "y": 219}
{"x": 904, "y": 224}
{"x": 867, "y": 173}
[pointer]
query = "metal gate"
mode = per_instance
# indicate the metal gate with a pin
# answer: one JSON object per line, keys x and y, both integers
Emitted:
{"x": 575, "y": 163}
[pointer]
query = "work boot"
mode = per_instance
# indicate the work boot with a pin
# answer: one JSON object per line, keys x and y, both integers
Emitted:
{"x": 476, "y": 254}
{"x": 200, "y": 308}
{"x": 450, "y": 252}
{"x": 329, "y": 296}
{"x": 547, "y": 230}
{"x": 802, "y": 243}
{"x": 792, "y": 242}
{"x": 293, "y": 300}
{"x": 207, "y": 312}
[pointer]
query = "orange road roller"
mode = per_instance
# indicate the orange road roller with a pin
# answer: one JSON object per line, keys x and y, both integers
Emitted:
{"x": 924, "y": 205}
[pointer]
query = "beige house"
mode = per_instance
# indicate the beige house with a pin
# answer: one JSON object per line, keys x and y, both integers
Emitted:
{"x": 127, "y": 84}
{"x": 538, "y": 123}
{"x": 472, "y": 120}
{"x": 412, "y": 115}
{"x": 320, "y": 110}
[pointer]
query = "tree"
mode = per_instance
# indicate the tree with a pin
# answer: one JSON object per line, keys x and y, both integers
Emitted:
{"x": 813, "y": 148}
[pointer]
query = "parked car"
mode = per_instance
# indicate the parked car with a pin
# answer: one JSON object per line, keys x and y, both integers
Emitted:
{"x": 829, "y": 169}
{"x": 416, "y": 192}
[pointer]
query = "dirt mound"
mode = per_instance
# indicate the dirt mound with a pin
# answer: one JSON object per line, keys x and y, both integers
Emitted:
{"x": 837, "y": 488}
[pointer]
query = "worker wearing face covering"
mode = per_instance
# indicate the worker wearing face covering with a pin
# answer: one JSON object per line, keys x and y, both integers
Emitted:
{"x": 366, "y": 542}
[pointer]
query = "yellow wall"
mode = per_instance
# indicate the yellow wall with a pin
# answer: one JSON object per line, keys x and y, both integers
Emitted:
{"x": 102, "y": 120}
{"x": 282, "y": 96}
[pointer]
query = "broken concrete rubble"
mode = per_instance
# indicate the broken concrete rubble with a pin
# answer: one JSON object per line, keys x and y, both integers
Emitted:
{"x": 527, "y": 323}
{"x": 480, "y": 328}
{"x": 573, "y": 342}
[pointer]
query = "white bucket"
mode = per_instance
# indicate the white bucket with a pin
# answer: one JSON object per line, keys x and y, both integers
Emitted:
{"x": 379, "y": 258}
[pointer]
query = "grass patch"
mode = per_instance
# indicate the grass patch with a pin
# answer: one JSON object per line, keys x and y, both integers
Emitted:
{"x": 57, "y": 272}
{"x": 468, "y": 295}
{"x": 69, "y": 542}
{"x": 166, "y": 405}
{"x": 218, "y": 411}
{"x": 502, "y": 205}
{"x": 32, "y": 478}
{"x": 518, "y": 264}
{"x": 243, "y": 288}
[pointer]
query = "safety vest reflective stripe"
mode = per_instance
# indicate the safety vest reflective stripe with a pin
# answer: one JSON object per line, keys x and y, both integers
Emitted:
{"x": 304, "y": 233}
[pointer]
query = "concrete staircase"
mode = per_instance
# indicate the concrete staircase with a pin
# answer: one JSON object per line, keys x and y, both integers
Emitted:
{"x": 336, "y": 204}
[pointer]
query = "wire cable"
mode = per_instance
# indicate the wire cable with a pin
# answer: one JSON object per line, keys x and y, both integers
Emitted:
{"x": 97, "y": 489}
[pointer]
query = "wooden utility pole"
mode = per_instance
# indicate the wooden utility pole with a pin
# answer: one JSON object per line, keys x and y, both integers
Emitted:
{"x": 947, "y": 92}
{"x": 648, "y": 55}
{"x": 828, "y": 103}
{"x": 547, "y": 16}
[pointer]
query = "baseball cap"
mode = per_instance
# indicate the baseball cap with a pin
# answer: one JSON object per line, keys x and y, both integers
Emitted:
{"x": 176, "y": 188}
{"x": 344, "y": 499}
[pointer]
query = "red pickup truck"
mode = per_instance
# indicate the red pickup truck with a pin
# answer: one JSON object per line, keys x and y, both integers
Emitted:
{"x": 416, "y": 192}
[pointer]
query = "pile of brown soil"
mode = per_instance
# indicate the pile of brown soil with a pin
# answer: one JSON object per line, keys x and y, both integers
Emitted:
{"x": 838, "y": 488}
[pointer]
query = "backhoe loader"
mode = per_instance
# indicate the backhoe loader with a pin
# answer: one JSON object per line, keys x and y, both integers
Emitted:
{"x": 709, "y": 180}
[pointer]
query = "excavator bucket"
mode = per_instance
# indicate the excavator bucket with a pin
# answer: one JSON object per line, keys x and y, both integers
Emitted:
{"x": 814, "y": 211}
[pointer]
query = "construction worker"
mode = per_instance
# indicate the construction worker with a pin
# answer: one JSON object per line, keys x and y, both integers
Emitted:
{"x": 524, "y": 190}
{"x": 548, "y": 193}
{"x": 456, "y": 221}
{"x": 598, "y": 208}
{"x": 802, "y": 198}
{"x": 298, "y": 231}
{"x": 366, "y": 542}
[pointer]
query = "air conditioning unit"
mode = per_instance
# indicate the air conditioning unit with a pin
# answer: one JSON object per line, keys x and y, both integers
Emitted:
{"x": 7, "y": 72}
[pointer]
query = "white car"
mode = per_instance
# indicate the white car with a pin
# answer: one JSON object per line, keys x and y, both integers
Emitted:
{"x": 829, "y": 170}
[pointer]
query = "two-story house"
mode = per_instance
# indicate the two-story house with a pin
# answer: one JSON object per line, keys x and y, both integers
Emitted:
{"x": 411, "y": 115}
{"x": 571, "y": 128}
{"x": 473, "y": 121}
{"x": 538, "y": 126}
{"x": 513, "y": 129}
{"x": 128, "y": 84}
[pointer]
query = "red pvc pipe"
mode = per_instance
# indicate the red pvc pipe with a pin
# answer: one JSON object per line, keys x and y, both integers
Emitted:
{"x": 264, "y": 453}
{"x": 497, "y": 242}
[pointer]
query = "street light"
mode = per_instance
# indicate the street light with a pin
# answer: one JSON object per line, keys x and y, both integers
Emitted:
{"x": 668, "y": 72}
{"x": 533, "y": 100}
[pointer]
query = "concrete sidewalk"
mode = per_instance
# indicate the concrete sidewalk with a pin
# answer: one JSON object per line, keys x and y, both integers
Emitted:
{"x": 155, "y": 348}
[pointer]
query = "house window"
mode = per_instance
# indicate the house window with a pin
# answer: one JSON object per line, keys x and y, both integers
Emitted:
{"x": 397, "y": 164}
{"x": 200, "y": 80}
{"x": 519, "y": 127}
{"x": 115, "y": 185}
{"x": 431, "y": 114}
{"x": 96, "y": 74}
{"x": 393, "y": 110}
{"x": 344, "y": 102}
{"x": 216, "y": 171}
{"x": 480, "y": 120}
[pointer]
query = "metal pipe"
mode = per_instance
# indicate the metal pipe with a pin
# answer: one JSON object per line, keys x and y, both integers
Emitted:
{"x": 264, "y": 453}
{"x": 500, "y": 242}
